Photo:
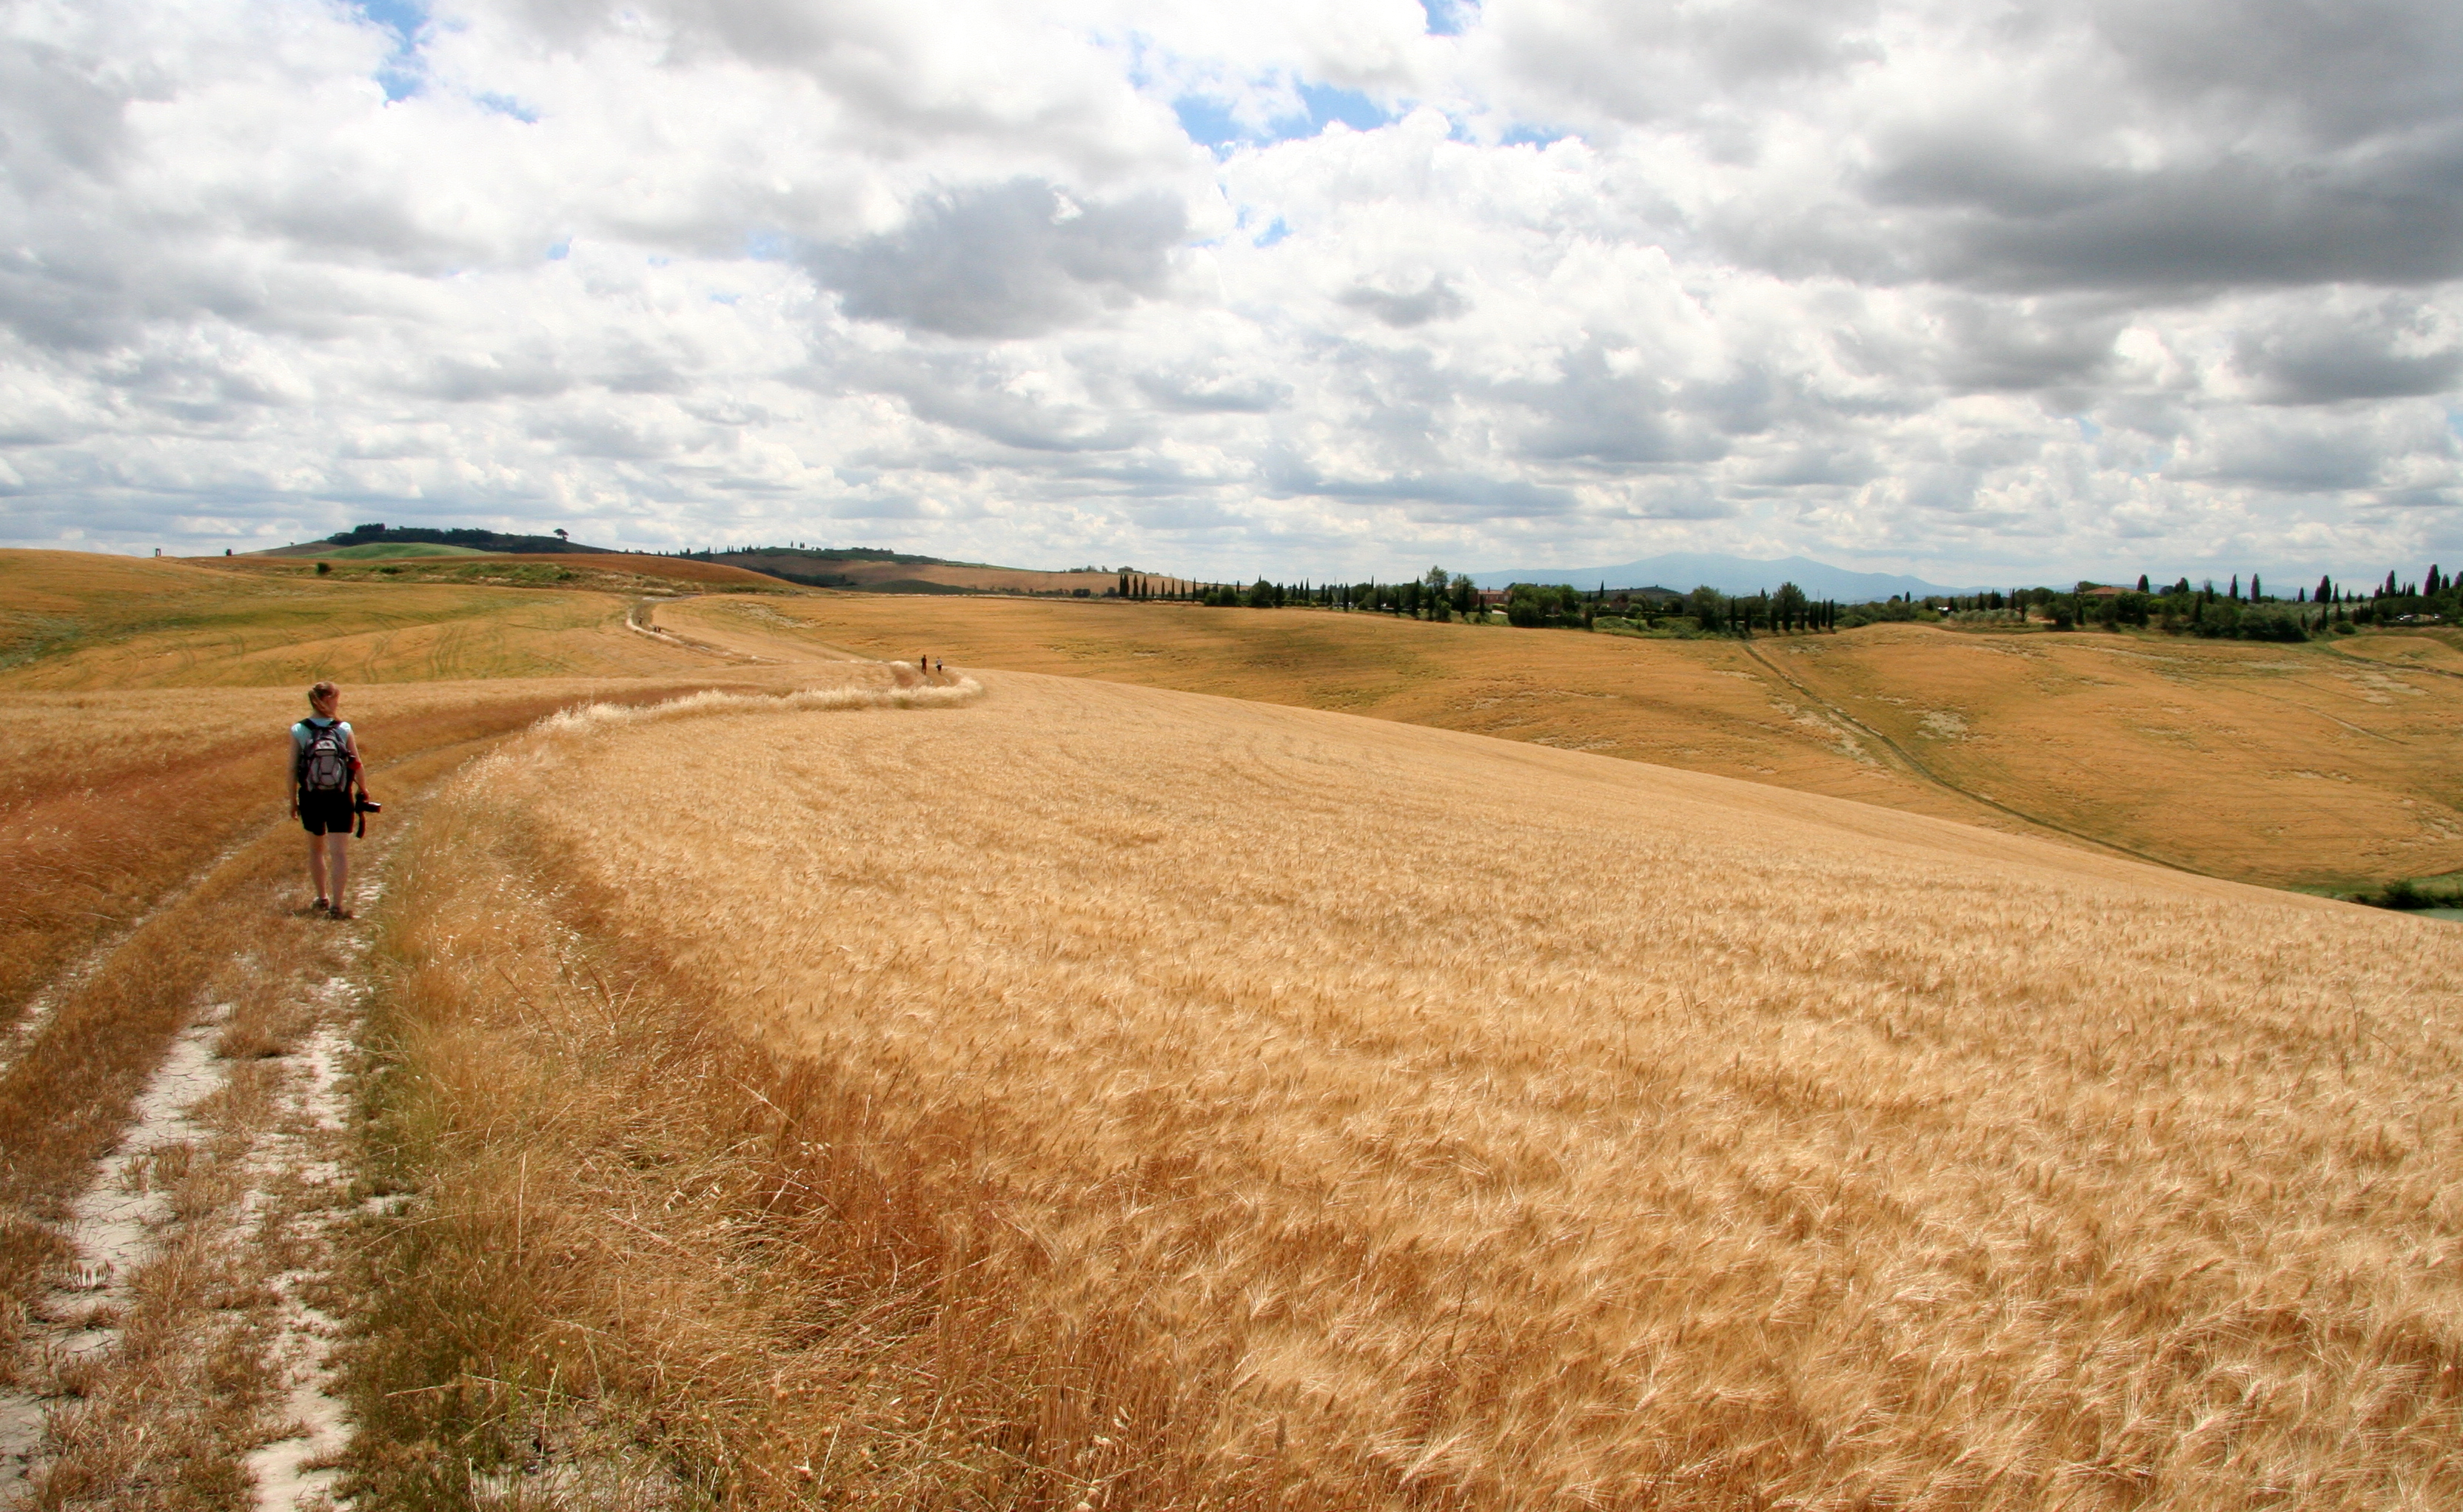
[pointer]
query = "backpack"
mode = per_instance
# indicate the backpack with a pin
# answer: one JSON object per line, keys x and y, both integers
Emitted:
{"x": 324, "y": 763}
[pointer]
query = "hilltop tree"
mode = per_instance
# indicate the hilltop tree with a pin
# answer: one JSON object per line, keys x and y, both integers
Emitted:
{"x": 1787, "y": 607}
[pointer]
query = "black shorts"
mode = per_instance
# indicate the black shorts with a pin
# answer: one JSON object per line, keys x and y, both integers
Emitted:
{"x": 327, "y": 812}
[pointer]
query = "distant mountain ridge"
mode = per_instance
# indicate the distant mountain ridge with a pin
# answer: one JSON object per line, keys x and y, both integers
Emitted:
{"x": 1684, "y": 571}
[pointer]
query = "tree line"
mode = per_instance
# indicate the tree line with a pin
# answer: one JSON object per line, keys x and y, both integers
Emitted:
{"x": 2179, "y": 609}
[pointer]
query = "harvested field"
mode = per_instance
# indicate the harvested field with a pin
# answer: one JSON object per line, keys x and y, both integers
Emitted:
{"x": 2324, "y": 765}
{"x": 77, "y": 623}
{"x": 1259, "y": 1106}
{"x": 877, "y": 576}
{"x": 610, "y": 571}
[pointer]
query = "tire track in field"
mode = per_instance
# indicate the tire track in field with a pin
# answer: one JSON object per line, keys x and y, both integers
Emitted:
{"x": 87, "y": 1367}
{"x": 2391, "y": 667}
{"x": 1916, "y": 769}
{"x": 281, "y": 1178}
{"x": 45, "y": 999}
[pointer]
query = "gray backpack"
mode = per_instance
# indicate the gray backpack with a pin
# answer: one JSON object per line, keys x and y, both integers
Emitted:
{"x": 324, "y": 763}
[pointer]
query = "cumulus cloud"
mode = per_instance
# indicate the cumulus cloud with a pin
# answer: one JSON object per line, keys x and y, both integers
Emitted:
{"x": 2061, "y": 290}
{"x": 1008, "y": 259}
{"x": 1435, "y": 302}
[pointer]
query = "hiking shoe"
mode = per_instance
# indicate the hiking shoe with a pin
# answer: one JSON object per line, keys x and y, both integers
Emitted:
{"x": 337, "y": 910}
{"x": 320, "y": 906}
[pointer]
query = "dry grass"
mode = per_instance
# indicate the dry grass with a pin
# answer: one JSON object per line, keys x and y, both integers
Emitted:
{"x": 2284, "y": 764}
{"x": 926, "y": 577}
{"x": 2289, "y": 765}
{"x": 133, "y": 747}
{"x": 74, "y": 622}
{"x": 1287, "y": 1110}
{"x": 164, "y": 1417}
{"x": 85, "y": 861}
{"x": 610, "y": 571}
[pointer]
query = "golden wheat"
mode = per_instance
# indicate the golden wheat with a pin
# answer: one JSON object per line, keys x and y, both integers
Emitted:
{"x": 1441, "y": 1119}
{"x": 2301, "y": 765}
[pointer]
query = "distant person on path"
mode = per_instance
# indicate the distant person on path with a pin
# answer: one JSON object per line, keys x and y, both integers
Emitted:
{"x": 325, "y": 788}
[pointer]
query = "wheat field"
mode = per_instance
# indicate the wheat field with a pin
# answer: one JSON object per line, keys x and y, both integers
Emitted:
{"x": 2323, "y": 766}
{"x": 1358, "y": 1114}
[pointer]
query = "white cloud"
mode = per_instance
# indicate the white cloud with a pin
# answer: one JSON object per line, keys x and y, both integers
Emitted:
{"x": 1288, "y": 288}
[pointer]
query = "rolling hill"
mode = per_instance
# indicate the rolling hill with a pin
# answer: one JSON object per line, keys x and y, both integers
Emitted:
{"x": 1289, "y": 1107}
{"x": 793, "y": 1079}
{"x": 2323, "y": 766}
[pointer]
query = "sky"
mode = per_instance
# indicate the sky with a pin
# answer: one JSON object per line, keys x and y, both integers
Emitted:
{"x": 1983, "y": 293}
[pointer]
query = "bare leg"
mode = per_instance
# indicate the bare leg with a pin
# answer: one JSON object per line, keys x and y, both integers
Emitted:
{"x": 337, "y": 863}
{"x": 317, "y": 865}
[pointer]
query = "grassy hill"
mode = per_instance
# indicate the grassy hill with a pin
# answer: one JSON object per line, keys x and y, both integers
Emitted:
{"x": 73, "y": 621}
{"x": 866, "y": 570}
{"x": 377, "y": 550}
{"x": 368, "y": 541}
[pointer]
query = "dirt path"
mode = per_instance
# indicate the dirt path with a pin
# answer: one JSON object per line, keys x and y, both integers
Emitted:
{"x": 638, "y": 620}
{"x": 181, "y": 1355}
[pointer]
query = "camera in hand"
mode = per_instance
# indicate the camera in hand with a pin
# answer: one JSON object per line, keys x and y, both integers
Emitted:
{"x": 363, "y": 804}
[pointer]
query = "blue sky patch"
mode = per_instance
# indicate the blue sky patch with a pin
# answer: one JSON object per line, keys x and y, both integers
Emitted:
{"x": 767, "y": 245}
{"x": 1208, "y": 121}
{"x": 1450, "y": 17}
{"x": 404, "y": 73}
{"x": 1272, "y": 233}
{"x": 507, "y": 105}
{"x": 1532, "y": 136}
{"x": 560, "y": 250}
{"x": 1327, "y": 104}
{"x": 403, "y": 18}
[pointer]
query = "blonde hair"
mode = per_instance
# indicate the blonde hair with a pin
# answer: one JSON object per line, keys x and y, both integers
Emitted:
{"x": 322, "y": 692}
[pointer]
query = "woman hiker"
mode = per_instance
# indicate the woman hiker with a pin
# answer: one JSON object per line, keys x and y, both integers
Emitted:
{"x": 325, "y": 787}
